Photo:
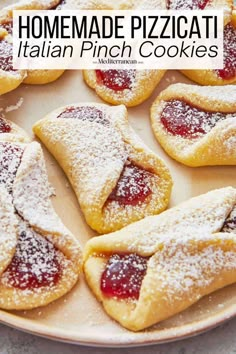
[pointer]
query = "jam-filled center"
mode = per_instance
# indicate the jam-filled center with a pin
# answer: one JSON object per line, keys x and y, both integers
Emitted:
{"x": 123, "y": 276}
{"x": 116, "y": 80}
{"x": 133, "y": 186}
{"x": 6, "y": 56}
{"x": 10, "y": 159}
{"x": 35, "y": 263}
{"x": 229, "y": 70}
{"x": 84, "y": 113}
{"x": 187, "y": 4}
{"x": 181, "y": 119}
{"x": 4, "y": 126}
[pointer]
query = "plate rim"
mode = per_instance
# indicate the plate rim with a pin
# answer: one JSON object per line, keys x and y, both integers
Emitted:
{"x": 129, "y": 339}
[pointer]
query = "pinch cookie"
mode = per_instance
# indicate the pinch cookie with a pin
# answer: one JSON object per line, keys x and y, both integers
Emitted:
{"x": 224, "y": 76}
{"x": 226, "y": 5}
{"x": 11, "y": 132}
{"x": 34, "y": 77}
{"x": 116, "y": 178}
{"x": 85, "y": 5}
{"x": 128, "y": 87}
{"x": 196, "y": 125}
{"x": 8, "y": 238}
{"x": 10, "y": 79}
{"x": 159, "y": 266}
{"x": 47, "y": 259}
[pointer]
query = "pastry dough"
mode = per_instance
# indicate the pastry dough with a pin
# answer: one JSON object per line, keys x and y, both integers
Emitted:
{"x": 11, "y": 132}
{"x": 226, "y": 5}
{"x": 159, "y": 266}
{"x": 116, "y": 178}
{"x": 128, "y": 87}
{"x": 228, "y": 74}
{"x": 31, "y": 76}
{"x": 46, "y": 261}
{"x": 85, "y": 5}
{"x": 197, "y": 125}
{"x": 9, "y": 79}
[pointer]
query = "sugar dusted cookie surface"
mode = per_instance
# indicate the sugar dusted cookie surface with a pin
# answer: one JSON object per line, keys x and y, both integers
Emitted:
{"x": 224, "y": 76}
{"x": 117, "y": 179}
{"x": 159, "y": 266}
{"x": 41, "y": 259}
{"x": 196, "y": 125}
{"x": 129, "y": 87}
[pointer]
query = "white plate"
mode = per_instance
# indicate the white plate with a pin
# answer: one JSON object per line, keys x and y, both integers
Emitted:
{"x": 78, "y": 317}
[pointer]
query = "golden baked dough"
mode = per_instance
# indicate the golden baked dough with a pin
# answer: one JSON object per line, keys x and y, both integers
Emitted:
{"x": 228, "y": 74}
{"x": 196, "y": 125}
{"x": 9, "y": 79}
{"x": 34, "y": 77}
{"x": 159, "y": 266}
{"x": 45, "y": 258}
{"x": 128, "y": 87}
{"x": 226, "y": 5}
{"x": 8, "y": 238}
{"x": 116, "y": 178}
{"x": 11, "y": 132}
{"x": 85, "y": 5}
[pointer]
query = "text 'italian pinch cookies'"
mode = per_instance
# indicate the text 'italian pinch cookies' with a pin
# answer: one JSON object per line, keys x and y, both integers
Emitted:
{"x": 161, "y": 265}
{"x": 196, "y": 125}
{"x": 116, "y": 178}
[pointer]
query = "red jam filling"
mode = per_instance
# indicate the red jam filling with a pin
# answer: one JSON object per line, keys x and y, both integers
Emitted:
{"x": 7, "y": 26}
{"x": 116, "y": 80}
{"x": 133, "y": 186}
{"x": 6, "y": 56}
{"x": 4, "y": 126}
{"x": 35, "y": 263}
{"x": 229, "y": 71}
{"x": 187, "y": 4}
{"x": 123, "y": 276}
{"x": 181, "y": 119}
{"x": 10, "y": 159}
{"x": 91, "y": 114}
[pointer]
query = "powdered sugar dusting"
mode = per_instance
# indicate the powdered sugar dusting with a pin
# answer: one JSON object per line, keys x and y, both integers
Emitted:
{"x": 15, "y": 106}
{"x": 116, "y": 80}
{"x": 133, "y": 186}
{"x": 187, "y": 4}
{"x": 229, "y": 71}
{"x": 122, "y": 88}
{"x": 230, "y": 222}
{"x": 98, "y": 155}
{"x": 38, "y": 272}
{"x": 149, "y": 4}
{"x": 181, "y": 119}
{"x": 6, "y": 56}
{"x": 8, "y": 238}
{"x": 184, "y": 268}
{"x": 10, "y": 159}
{"x": 203, "y": 136}
{"x": 36, "y": 262}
